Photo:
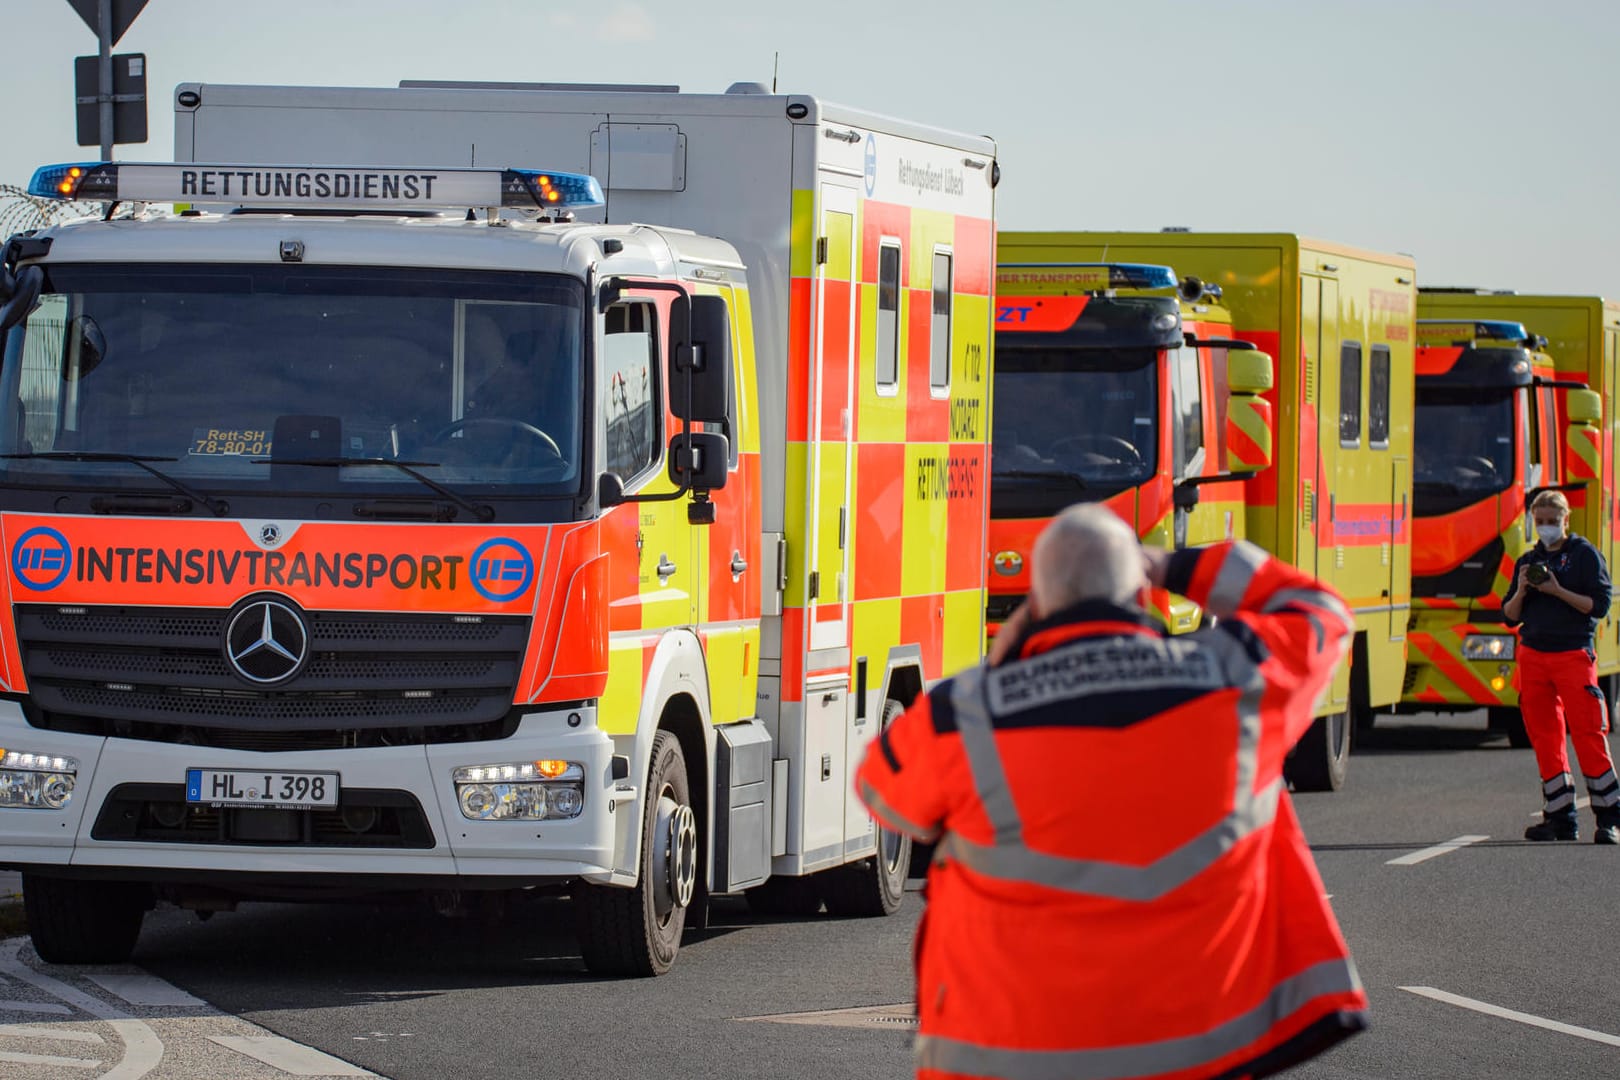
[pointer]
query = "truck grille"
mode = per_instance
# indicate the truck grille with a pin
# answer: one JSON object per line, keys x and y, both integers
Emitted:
{"x": 367, "y": 818}
{"x": 371, "y": 679}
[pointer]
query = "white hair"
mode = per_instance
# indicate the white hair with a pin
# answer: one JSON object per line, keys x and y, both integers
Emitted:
{"x": 1086, "y": 553}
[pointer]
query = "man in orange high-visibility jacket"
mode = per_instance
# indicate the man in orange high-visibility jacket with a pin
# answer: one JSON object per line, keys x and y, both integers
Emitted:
{"x": 1120, "y": 887}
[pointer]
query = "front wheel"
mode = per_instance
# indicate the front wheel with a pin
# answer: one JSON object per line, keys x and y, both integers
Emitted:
{"x": 84, "y": 922}
{"x": 637, "y": 931}
{"x": 1321, "y": 759}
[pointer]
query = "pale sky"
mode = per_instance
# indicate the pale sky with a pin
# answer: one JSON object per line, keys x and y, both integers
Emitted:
{"x": 1476, "y": 135}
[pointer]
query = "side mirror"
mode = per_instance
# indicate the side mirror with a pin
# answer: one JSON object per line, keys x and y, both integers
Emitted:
{"x": 1583, "y": 437}
{"x": 25, "y": 289}
{"x": 1584, "y": 407}
{"x": 698, "y": 460}
{"x": 1250, "y": 425}
{"x": 609, "y": 490}
{"x": 91, "y": 343}
{"x": 1249, "y": 371}
{"x": 1185, "y": 496}
{"x": 700, "y": 382}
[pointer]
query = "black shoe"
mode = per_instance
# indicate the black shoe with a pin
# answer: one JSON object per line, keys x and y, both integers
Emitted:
{"x": 1561, "y": 830}
{"x": 1607, "y": 834}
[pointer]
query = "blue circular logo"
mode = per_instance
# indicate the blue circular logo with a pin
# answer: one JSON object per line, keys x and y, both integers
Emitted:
{"x": 502, "y": 569}
{"x": 871, "y": 164}
{"x": 41, "y": 559}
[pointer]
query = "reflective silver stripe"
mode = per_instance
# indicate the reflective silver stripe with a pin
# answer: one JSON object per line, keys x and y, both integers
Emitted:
{"x": 1564, "y": 781}
{"x": 1566, "y": 799}
{"x": 1111, "y": 879}
{"x": 984, "y": 760}
{"x": 1142, "y": 1059}
{"x": 1604, "y": 790}
{"x": 1008, "y": 857}
{"x": 1243, "y": 560}
{"x": 891, "y": 818}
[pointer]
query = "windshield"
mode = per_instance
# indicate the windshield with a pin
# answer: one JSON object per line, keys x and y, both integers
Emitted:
{"x": 1071, "y": 425}
{"x": 225, "y": 376}
{"x": 1462, "y": 448}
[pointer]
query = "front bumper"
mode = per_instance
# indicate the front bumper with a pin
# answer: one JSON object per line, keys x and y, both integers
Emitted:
{"x": 1440, "y": 678}
{"x": 455, "y": 847}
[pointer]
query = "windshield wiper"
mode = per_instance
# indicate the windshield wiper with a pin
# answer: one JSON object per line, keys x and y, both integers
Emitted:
{"x": 482, "y": 511}
{"x": 219, "y": 507}
{"x": 1073, "y": 478}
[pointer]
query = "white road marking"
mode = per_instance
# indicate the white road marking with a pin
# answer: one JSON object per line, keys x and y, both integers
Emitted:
{"x": 140, "y": 988}
{"x": 1511, "y": 1014}
{"x": 142, "y": 1049}
{"x": 35, "y": 1007}
{"x": 1581, "y": 802}
{"x": 288, "y": 1056}
{"x": 47, "y": 1059}
{"x": 1412, "y": 858}
{"x": 29, "y": 1031}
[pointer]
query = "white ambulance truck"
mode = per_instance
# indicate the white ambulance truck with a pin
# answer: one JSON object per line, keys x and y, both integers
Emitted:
{"x": 397, "y": 514}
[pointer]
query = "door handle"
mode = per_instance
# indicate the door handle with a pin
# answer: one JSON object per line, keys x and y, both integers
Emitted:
{"x": 666, "y": 569}
{"x": 738, "y": 564}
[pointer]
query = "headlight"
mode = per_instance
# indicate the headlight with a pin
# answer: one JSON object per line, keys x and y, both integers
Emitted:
{"x": 36, "y": 781}
{"x": 521, "y": 790}
{"x": 1488, "y": 647}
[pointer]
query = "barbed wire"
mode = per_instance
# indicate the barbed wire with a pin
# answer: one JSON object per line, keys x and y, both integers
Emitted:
{"x": 20, "y": 211}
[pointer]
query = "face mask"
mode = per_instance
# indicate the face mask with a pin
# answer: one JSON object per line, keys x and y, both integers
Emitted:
{"x": 1550, "y": 534}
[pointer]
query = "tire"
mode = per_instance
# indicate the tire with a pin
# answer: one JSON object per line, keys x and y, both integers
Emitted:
{"x": 84, "y": 922}
{"x": 1365, "y": 720}
{"x": 1321, "y": 759}
{"x": 1510, "y": 722}
{"x": 638, "y": 931}
{"x": 875, "y": 885}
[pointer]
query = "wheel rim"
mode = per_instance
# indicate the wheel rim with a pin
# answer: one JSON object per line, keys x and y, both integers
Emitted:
{"x": 890, "y": 845}
{"x": 676, "y": 833}
{"x": 1338, "y": 736}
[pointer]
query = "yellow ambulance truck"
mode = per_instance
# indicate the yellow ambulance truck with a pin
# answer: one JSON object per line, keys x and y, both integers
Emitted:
{"x": 1336, "y": 501}
{"x": 1510, "y": 402}
{"x": 1119, "y": 383}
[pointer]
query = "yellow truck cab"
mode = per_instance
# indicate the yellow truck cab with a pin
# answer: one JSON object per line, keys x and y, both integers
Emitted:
{"x": 1121, "y": 384}
{"x": 1508, "y": 405}
{"x": 381, "y": 525}
{"x": 1336, "y": 501}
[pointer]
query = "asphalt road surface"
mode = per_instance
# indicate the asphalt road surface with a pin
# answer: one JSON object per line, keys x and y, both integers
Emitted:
{"x": 1484, "y": 956}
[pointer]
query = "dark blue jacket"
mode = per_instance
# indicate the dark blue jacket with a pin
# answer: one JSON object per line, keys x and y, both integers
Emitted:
{"x": 1548, "y": 624}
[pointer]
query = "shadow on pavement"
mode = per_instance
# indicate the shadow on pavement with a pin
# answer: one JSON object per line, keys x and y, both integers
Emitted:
{"x": 1399, "y": 736}
{"x": 351, "y": 954}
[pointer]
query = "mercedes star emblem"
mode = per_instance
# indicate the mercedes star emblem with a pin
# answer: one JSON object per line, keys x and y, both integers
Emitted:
{"x": 270, "y": 534}
{"x": 266, "y": 641}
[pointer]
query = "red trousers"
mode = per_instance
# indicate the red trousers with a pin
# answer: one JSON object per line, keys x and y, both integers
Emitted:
{"x": 1558, "y": 692}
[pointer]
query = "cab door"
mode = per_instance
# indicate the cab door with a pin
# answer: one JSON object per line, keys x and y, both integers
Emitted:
{"x": 636, "y": 362}
{"x": 831, "y": 419}
{"x": 728, "y": 551}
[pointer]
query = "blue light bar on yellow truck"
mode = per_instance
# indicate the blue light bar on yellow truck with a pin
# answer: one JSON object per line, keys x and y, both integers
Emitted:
{"x": 358, "y": 186}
